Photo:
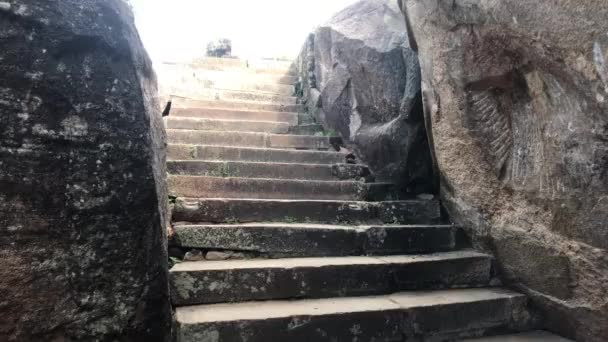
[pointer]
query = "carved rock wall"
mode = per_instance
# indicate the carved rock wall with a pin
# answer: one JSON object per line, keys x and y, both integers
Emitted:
{"x": 82, "y": 176}
{"x": 516, "y": 95}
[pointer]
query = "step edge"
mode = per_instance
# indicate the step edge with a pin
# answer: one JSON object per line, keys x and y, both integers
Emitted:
{"x": 329, "y": 261}
{"x": 187, "y": 118}
{"x": 259, "y": 148}
{"x": 493, "y": 295}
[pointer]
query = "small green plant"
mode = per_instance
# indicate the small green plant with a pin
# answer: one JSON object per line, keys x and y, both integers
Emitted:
{"x": 172, "y": 199}
{"x": 222, "y": 171}
{"x": 289, "y": 219}
{"x": 330, "y": 133}
{"x": 174, "y": 261}
{"x": 232, "y": 220}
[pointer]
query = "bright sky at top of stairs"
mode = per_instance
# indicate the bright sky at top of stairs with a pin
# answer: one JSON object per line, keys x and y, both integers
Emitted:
{"x": 180, "y": 29}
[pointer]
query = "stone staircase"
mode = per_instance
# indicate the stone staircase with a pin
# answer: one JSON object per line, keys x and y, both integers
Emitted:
{"x": 287, "y": 238}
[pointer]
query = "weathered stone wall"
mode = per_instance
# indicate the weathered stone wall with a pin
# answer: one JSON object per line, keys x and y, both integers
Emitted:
{"x": 82, "y": 191}
{"x": 360, "y": 78}
{"x": 516, "y": 93}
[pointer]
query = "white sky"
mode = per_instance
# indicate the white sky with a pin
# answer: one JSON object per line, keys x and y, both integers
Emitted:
{"x": 174, "y": 30}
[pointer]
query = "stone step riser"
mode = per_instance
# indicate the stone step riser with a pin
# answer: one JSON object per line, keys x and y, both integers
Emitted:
{"x": 240, "y": 82}
{"x": 244, "y": 139}
{"x": 240, "y": 79}
{"x": 268, "y": 170}
{"x": 277, "y": 89}
{"x": 252, "y": 280}
{"x": 385, "y": 318}
{"x": 194, "y": 152}
{"x": 226, "y": 114}
{"x": 247, "y": 69}
{"x": 299, "y": 240}
{"x": 180, "y": 102}
{"x": 306, "y": 129}
{"x": 229, "y": 187}
{"x": 332, "y": 212}
{"x": 227, "y": 125}
{"x": 250, "y": 66}
{"x": 235, "y": 95}
{"x": 244, "y": 70}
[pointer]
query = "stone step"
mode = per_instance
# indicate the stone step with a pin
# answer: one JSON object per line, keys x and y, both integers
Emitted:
{"x": 265, "y": 188}
{"x": 252, "y": 66}
{"x": 245, "y": 154}
{"x": 284, "y": 79}
{"x": 273, "y": 88}
{"x": 307, "y": 129}
{"x": 206, "y": 282}
{"x": 248, "y": 96}
{"x": 242, "y": 81}
{"x": 233, "y": 114}
{"x": 247, "y": 139}
{"x": 408, "y": 316}
{"x": 532, "y": 336}
{"x": 238, "y": 82}
{"x": 227, "y": 125}
{"x": 220, "y": 210}
{"x": 216, "y": 168}
{"x": 315, "y": 240}
{"x": 180, "y": 102}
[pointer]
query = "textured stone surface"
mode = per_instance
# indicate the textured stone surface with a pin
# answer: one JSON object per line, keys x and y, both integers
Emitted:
{"x": 305, "y": 239}
{"x": 237, "y": 280}
{"x": 82, "y": 194}
{"x": 219, "y": 210}
{"x": 361, "y": 78}
{"x": 516, "y": 94}
{"x": 411, "y": 316}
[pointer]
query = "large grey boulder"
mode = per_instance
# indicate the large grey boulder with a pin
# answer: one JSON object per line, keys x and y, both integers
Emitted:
{"x": 361, "y": 78}
{"x": 82, "y": 193}
{"x": 516, "y": 92}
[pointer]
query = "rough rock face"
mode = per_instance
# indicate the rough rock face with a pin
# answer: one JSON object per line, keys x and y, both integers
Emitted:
{"x": 361, "y": 78}
{"x": 82, "y": 194}
{"x": 517, "y": 94}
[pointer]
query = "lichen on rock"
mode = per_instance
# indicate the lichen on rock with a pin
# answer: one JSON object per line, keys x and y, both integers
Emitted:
{"x": 82, "y": 153}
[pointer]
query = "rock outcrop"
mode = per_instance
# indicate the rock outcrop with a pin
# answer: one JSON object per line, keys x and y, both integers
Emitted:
{"x": 360, "y": 78}
{"x": 82, "y": 193}
{"x": 516, "y": 93}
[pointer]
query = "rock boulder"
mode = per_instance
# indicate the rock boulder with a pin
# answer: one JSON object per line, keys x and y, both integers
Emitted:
{"x": 516, "y": 94}
{"x": 360, "y": 78}
{"x": 82, "y": 193}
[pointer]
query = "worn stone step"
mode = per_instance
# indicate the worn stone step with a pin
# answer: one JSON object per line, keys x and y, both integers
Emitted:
{"x": 325, "y": 172}
{"x": 409, "y": 316}
{"x": 307, "y": 239}
{"x": 234, "y": 187}
{"x": 249, "y": 96}
{"x": 245, "y": 154}
{"x": 180, "y": 102}
{"x": 205, "y": 282}
{"x": 219, "y": 210}
{"x": 247, "y": 139}
{"x": 532, "y": 336}
{"x": 233, "y": 114}
{"x": 227, "y": 125}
